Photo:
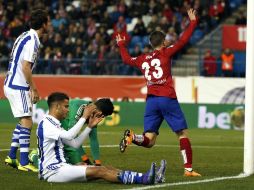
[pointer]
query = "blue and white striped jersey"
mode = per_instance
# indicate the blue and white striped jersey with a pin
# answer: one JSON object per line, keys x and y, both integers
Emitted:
{"x": 26, "y": 47}
{"x": 49, "y": 144}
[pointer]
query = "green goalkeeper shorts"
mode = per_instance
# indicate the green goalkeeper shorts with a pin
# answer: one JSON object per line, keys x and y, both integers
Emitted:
{"x": 73, "y": 155}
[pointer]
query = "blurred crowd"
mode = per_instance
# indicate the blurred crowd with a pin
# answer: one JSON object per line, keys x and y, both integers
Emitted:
{"x": 81, "y": 36}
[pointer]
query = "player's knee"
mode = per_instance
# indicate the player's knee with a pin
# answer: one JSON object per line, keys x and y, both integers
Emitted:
{"x": 26, "y": 122}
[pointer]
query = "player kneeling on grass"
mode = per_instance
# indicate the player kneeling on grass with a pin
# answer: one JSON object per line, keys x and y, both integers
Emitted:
{"x": 51, "y": 137}
{"x": 77, "y": 156}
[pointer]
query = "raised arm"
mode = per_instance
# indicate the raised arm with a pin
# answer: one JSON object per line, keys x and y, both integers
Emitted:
{"x": 94, "y": 119}
{"x": 127, "y": 59}
{"x": 72, "y": 133}
{"x": 187, "y": 33}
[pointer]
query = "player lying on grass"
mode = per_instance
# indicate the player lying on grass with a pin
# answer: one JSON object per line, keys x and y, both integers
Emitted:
{"x": 78, "y": 155}
{"x": 161, "y": 102}
{"x": 51, "y": 138}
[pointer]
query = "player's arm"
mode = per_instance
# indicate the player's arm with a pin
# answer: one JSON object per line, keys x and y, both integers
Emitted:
{"x": 124, "y": 52}
{"x": 94, "y": 119}
{"x": 187, "y": 33}
{"x": 27, "y": 70}
{"x": 72, "y": 133}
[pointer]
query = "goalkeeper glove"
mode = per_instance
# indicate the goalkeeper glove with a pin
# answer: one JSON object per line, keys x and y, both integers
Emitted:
{"x": 80, "y": 112}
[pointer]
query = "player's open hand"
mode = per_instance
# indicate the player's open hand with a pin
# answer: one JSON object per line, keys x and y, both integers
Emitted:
{"x": 89, "y": 109}
{"x": 95, "y": 118}
{"x": 192, "y": 14}
{"x": 119, "y": 38}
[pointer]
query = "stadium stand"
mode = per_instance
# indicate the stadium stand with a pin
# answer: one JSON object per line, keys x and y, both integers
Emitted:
{"x": 83, "y": 31}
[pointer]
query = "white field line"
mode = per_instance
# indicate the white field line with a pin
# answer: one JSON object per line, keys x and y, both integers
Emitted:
{"x": 188, "y": 182}
{"x": 174, "y": 146}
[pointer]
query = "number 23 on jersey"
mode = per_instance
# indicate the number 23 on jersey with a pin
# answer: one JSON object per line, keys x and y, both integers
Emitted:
{"x": 156, "y": 64}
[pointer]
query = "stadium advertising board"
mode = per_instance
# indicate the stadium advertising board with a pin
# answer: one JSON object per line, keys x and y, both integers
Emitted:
{"x": 234, "y": 37}
{"x": 130, "y": 114}
{"x": 89, "y": 87}
{"x": 189, "y": 89}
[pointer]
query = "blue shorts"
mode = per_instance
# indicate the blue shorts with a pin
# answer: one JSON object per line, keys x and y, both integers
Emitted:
{"x": 159, "y": 108}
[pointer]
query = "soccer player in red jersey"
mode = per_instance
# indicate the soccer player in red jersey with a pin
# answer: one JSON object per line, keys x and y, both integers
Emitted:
{"x": 161, "y": 102}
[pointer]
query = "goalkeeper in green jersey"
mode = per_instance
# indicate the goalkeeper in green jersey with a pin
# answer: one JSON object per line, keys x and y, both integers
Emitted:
{"x": 79, "y": 156}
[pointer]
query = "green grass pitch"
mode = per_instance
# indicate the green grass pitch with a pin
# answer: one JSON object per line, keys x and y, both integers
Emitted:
{"x": 216, "y": 153}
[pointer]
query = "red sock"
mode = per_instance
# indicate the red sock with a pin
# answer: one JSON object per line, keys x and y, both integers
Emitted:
{"x": 141, "y": 140}
{"x": 185, "y": 148}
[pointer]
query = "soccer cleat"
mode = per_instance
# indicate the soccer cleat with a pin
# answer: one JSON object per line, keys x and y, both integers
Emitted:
{"x": 126, "y": 140}
{"x": 11, "y": 162}
{"x": 27, "y": 168}
{"x": 32, "y": 154}
{"x": 160, "y": 173}
{"x": 191, "y": 174}
{"x": 149, "y": 177}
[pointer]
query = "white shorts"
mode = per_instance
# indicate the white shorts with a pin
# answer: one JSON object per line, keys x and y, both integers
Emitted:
{"x": 20, "y": 102}
{"x": 69, "y": 173}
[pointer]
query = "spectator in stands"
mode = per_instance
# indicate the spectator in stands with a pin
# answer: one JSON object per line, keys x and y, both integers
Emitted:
{"x": 209, "y": 64}
{"x": 121, "y": 28}
{"x": 216, "y": 10}
{"x": 152, "y": 24}
{"x": 205, "y": 22}
{"x": 45, "y": 66}
{"x": 164, "y": 24}
{"x": 100, "y": 62}
{"x": 58, "y": 64}
{"x": 57, "y": 42}
{"x": 171, "y": 35}
{"x": 4, "y": 52}
{"x": 174, "y": 23}
{"x": 90, "y": 56}
{"x": 57, "y": 21}
{"x": 122, "y": 8}
{"x": 139, "y": 28}
{"x": 168, "y": 13}
{"x": 91, "y": 27}
{"x": 74, "y": 20}
{"x": 104, "y": 35}
{"x": 75, "y": 67}
{"x": 138, "y": 8}
{"x": 113, "y": 57}
{"x": 227, "y": 63}
{"x": 241, "y": 19}
{"x": 68, "y": 47}
{"x": 106, "y": 21}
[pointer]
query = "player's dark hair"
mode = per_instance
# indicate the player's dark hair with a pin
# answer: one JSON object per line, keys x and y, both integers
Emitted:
{"x": 56, "y": 97}
{"x": 105, "y": 106}
{"x": 157, "y": 38}
{"x": 38, "y": 18}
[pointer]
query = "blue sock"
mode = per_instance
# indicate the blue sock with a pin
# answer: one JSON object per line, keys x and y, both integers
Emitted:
{"x": 14, "y": 142}
{"x": 130, "y": 177}
{"x": 24, "y": 141}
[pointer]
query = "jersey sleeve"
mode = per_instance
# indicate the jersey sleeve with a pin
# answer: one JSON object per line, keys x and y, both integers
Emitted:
{"x": 30, "y": 51}
{"x": 127, "y": 59}
{"x": 183, "y": 39}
